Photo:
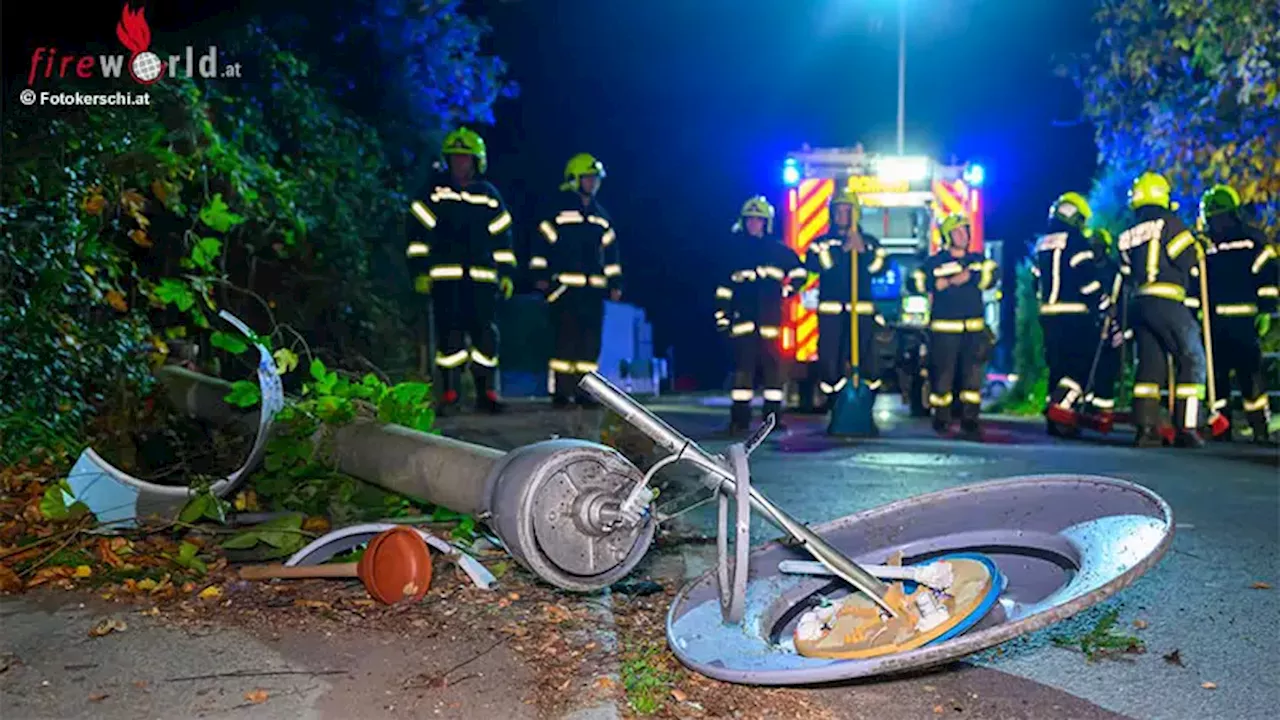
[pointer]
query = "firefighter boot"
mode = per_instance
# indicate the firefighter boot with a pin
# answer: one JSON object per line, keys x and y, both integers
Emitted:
{"x": 1188, "y": 439}
{"x": 449, "y": 398}
{"x": 971, "y": 429}
{"x": 774, "y": 408}
{"x": 941, "y": 422}
{"x": 1261, "y": 435}
{"x": 487, "y": 400}
{"x": 739, "y": 418}
{"x": 1148, "y": 437}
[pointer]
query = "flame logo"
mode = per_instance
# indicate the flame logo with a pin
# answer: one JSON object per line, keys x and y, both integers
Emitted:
{"x": 133, "y": 30}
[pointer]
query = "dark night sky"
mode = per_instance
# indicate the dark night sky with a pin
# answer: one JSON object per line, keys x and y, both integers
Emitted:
{"x": 692, "y": 105}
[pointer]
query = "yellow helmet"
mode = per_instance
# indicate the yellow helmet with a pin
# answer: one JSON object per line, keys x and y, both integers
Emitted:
{"x": 757, "y": 206}
{"x": 847, "y": 196}
{"x": 1217, "y": 200}
{"x": 949, "y": 224}
{"x": 466, "y": 142}
{"x": 1149, "y": 189}
{"x": 1072, "y": 209}
{"x": 581, "y": 165}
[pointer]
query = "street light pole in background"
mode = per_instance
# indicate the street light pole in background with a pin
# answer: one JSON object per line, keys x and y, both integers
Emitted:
{"x": 902, "y": 76}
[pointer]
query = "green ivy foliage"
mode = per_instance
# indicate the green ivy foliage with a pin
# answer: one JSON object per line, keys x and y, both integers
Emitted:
{"x": 1191, "y": 89}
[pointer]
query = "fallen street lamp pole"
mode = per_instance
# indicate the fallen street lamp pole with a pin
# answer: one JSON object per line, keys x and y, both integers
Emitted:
{"x": 554, "y": 504}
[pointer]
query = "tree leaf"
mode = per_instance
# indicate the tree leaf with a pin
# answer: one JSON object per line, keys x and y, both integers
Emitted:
{"x": 228, "y": 342}
{"x": 204, "y": 252}
{"x": 286, "y": 360}
{"x": 172, "y": 291}
{"x": 317, "y": 369}
{"x": 244, "y": 394}
{"x": 217, "y": 216}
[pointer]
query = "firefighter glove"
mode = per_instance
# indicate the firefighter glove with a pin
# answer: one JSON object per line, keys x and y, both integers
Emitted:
{"x": 422, "y": 284}
{"x": 507, "y": 287}
{"x": 1263, "y": 324}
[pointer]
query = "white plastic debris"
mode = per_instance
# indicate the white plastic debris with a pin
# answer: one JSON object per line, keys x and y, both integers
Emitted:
{"x": 348, "y": 538}
{"x": 117, "y": 498}
{"x": 937, "y": 575}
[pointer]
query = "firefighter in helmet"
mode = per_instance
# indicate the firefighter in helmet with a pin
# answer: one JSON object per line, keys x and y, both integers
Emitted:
{"x": 955, "y": 279}
{"x": 846, "y": 242}
{"x": 1100, "y": 394}
{"x": 1157, "y": 255}
{"x": 576, "y": 263}
{"x": 460, "y": 255}
{"x": 1067, "y": 289}
{"x": 749, "y": 307}
{"x": 1242, "y": 270}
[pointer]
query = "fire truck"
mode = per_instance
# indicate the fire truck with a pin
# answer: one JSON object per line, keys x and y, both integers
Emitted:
{"x": 903, "y": 200}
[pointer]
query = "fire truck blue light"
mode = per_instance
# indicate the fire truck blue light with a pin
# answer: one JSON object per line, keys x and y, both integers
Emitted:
{"x": 790, "y": 174}
{"x": 974, "y": 175}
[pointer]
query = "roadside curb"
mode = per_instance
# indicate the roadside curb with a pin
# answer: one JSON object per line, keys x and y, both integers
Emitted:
{"x": 587, "y": 701}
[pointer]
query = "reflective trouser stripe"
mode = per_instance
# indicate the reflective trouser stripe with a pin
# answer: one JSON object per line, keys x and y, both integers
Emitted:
{"x": 451, "y": 360}
{"x": 1146, "y": 390}
{"x": 560, "y": 366}
{"x": 941, "y": 400}
{"x": 773, "y": 395}
{"x": 481, "y": 359}
{"x": 972, "y": 397}
{"x": 742, "y": 395}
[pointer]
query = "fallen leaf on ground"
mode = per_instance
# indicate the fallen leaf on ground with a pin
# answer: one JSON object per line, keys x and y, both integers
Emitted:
{"x": 1260, "y": 586}
{"x": 108, "y": 554}
{"x": 1174, "y": 658}
{"x": 98, "y": 697}
{"x": 316, "y": 524}
{"x": 317, "y": 604}
{"x": 44, "y": 575}
{"x": 558, "y": 614}
{"x": 1209, "y": 685}
{"x": 1140, "y": 624}
{"x": 937, "y": 710}
{"x": 604, "y": 682}
{"x": 108, "y": 626}
{"x": 410, "y": 589}
{"x": 9, "y": 580}
{"x": 83, "y": 571}
{"x": 147, "y": 584}
{"x": 678, "y": 695}
{"x": 257, "y": 697}
{"x": 210, "y": 593}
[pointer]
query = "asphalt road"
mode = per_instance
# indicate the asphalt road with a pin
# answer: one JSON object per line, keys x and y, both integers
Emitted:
{"x": 1198, "y": 600}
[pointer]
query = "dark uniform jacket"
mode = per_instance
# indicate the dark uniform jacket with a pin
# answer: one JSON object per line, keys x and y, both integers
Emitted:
{"x": 1242, "y": 272}
{"x": 767, "y": 271}
{"x": 1157, "y": 254}
{"x": 1066, "y": 272}
{"x": 576, "y": 246}
{"x": 828, "y": 257}
{"x": 956, "y": 308}
{"x": 461, "y": 233}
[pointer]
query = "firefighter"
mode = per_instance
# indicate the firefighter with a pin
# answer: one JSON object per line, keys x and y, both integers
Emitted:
{"x": 1241, "y": 277}
{"x": 1156, "y": 257}
{"x": 955, "y": 279}
{"x": 1099, "y": 400}
{"x": 831, "y": 257}
{"x": 460, "y": 254}
{"x": 749, "y": 308}
{"x": 1067, "y": 291}
{"x": 577, "y": 264}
